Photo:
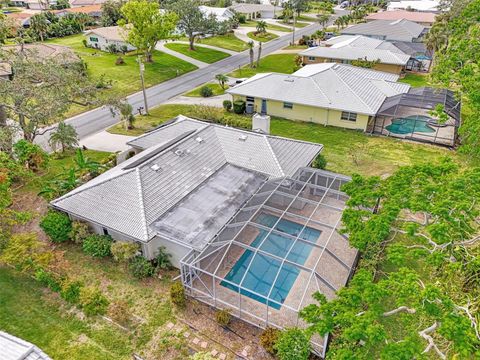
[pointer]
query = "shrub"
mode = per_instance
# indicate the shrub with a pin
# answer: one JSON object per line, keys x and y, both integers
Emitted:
{"x": 206, "y": 91}
{"x": 242, "y": 19}
{"x": 79, "y": 232}
{"x": 227, "y": 105}
{"x": 25, "y": 252}
{"x": 320, "y": 162}
{"x": 203, "y": 355}
{"x": 223, "y": 317}
{"x": 84, "y": 42}
{"x": 92, "y": 301}
{"x": 293, "y": 344}
{"x": 239, "y": 107}
{"x": 269, "y": 338}
{"x": 119, "y": 312}
{"x": 141, "y": 267}
{"x": 119, "y": 61}
{"x": 123, "y": 250}
{"x": 162, "y": 260}
{"x": 70, "y": 290}
{"x": 57, "y": 226}
{"x": 47, "y": 279}
{"x": 31, "y": 155}
{"x": 177, "y": 294}
{"x": 97, "y": 245}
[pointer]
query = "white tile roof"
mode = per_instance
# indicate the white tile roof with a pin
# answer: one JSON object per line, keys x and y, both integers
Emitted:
{"x": 397, "y": 30}
{"x": 132, "y": 196}
{"x": 221, "y": 14}
{"x": 419, "y": 5}
{"x": 358, "y": 47}
{"x": 326, "y": 85}
{"x": 13, "y": 348}
{"x": 113, "y": 33}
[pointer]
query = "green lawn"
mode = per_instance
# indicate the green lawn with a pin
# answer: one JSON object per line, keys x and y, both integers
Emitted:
{"x": 253, "y": 23}
{"x": 125, "y": 78}
{"x": 295, "y": 47}
{"x": 216, "y": 88}
{"x": 200, "y": 53}
{"x": 262, "y": 37}
{"x": 347, "y": 151}
{"x": 227, "y": 41}
{"x": 415, "y": 80}
{"x": 283, "y": 63}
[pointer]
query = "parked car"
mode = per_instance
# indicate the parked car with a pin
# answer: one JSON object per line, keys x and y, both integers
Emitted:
{"x": 328, "y": 35}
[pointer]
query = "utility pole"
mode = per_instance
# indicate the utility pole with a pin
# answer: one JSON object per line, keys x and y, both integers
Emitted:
{"x": 293, "y": 27}
{"x": 142, "y": 70}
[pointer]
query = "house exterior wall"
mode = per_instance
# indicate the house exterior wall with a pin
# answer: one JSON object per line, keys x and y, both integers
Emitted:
{"x": 309, "y": 114}
{"x": 390, "y": 68}
{"x": 177, "y": 251}
{"x": 102, "y": 43}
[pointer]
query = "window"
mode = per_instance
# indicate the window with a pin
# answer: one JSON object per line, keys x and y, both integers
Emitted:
{"x": 250, "y": 99}
{"x": 287, "y": 105}
{"x": 311, "y": 58}
{"x": 349, "y": 116}
{"x": 105, "y": 231}
{"x": 93, "y": 39}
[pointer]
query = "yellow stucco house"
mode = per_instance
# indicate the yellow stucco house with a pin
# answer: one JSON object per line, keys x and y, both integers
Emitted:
{"x": 346, "y": 49}
{"x": 326, "y": 93}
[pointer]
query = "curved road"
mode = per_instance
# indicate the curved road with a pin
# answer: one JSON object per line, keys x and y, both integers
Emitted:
{"x": 98, "y": 119}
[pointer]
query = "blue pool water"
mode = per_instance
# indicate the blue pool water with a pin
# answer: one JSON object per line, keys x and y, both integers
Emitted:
{"x": 409, "y": 124}
{"x": 263, "y": 270}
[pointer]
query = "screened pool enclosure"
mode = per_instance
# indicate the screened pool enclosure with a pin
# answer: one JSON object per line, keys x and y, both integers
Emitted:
{"x": 409, "y": 116}
{"x": 280, "y": 248}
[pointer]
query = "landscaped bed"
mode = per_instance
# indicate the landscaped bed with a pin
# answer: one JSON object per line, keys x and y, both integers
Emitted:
{"x": 200, "y": 53}
{"x": 347, "y": 151}
{"x": 261, "y": 37}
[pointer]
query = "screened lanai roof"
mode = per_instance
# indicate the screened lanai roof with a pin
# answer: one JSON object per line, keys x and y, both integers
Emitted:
{"x": 423, "y": 98}
{"x": 279, "y": 249}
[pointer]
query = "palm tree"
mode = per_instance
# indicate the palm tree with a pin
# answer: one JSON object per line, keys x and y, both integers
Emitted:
{"x": 39, "y": 25}
{"x": 222, "y": 79}
{"x": 64, "y": 135}
{"x": 437, "y": 38}
{"x": 259, "y": 55}
{"x": 261, "y": 26}
{"x": 251, "y": 45}
{"x": 338, "y": 22}
{"x": 323, "y": 19}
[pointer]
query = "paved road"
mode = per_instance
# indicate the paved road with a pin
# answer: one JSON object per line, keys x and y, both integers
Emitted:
{"x": 98, "y": 119}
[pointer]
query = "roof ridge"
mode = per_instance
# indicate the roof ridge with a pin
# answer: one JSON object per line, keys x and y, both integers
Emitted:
{"x": 318, "y": 87}
{"x": 142, "y": 203}
{"x": 273, "y": 154}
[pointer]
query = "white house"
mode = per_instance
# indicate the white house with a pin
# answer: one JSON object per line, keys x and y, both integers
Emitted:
{"x": 221, "y": 14}
{"x": 255, "y": 11}
{"x": 416, "y": 5}
{"x": 101, "y": 38}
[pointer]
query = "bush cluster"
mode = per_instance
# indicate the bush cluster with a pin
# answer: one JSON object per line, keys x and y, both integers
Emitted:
{"x": 57, "y": 226}
{"x": 239, "y": 106}
{"x": 292, "y": 344}
{"x": 141, "y": 267}
{"x": 79, "y": 232}
{"x": 269, "y": 338}
{"x": 124, "y": 251}
{"x": 177, "y": 294}
{"x": 92, "y": 301}
{"x": 320, "y": 162}
{"x": 227, "y": 105}
{"x": 97, "y": 245}
{"x": 223, "y": 317}
{"x": 70, "y": 290}
{"x": 206, "y": 91}
{"x": 47, "y": 279}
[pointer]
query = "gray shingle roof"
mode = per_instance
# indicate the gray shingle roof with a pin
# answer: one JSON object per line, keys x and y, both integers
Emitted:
{"x": 13, "y": 348}
{"x": 129, "y": 199}
{"x": 397, "y": 30}
{"x": 354, "y": 47}
{"x": 326, "y": 85}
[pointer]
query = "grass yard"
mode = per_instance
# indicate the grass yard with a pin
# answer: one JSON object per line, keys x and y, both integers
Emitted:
{"x": 415, "y": 80}
{"x": 200, "y": 53}
{"x": 227, "y": 41}
{"x": 262, "y": 37}
{"x": 275, "y": 27}
{"x": 216, "y": 88}
{"x": 282, "y": 63}
{"x": 295, "y": 47}
{"x": 347, "y": 151}
{"x": 125, "y": 78}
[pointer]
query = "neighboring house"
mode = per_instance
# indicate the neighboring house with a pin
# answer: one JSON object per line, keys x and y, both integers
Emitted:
{"x": 78, "y": 3}
{"x": 421, "y": 18}
{"x": 95, "y": 11}
{"x": 347, "y": 48}
{"x": 40, "y": 4}
{"x": 328, "y": 93}
{"x": 188, "y": 180}
{"x": 21, "y": 18}
{"x": 414, "y": 5}
{"x": 14, "y": 348}
{"x": 256, "y": 11}
{"x": 397, "y": 30}
{"x": 101, "y": 38}
{"x": 221, "y": 14}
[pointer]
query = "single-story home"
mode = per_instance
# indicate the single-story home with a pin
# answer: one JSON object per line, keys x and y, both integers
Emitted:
{"x": 221, "y": 14}
{"x": 397, "y": 30}
{"x": 95, "y": 11}
{"x": 40, "y": 4}
{"x": 101, "y": 38}
{"x": 422, "y": 18}
{"x": 14, "y": 348}
{"x": 21, "y": 18}
{"x": 256, "y": 11}
{"x": 78, "y": 3}
{"x": 415, "y": 5}
{"x": 325, "y": 93}
{"x": 188, "y": 179}
{"x": 347, "y": 48}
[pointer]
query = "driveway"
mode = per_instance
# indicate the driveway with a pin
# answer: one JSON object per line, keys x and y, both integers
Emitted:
{"x": 104, "y": 141}
{"x": 98, "y": 119}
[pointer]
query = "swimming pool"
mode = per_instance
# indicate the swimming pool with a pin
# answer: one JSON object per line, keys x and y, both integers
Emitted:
{"x": 409, "y": 124}
{"x": 263, "y": 269}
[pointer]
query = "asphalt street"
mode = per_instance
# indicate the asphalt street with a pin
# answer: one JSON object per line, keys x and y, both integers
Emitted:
{"x": 98, "y": 119}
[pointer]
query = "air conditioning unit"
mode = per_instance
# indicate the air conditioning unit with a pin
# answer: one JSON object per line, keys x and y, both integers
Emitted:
{"x": 249, "y": 109}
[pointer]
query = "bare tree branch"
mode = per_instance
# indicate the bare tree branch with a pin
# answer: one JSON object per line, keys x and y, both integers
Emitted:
{"x": 400, "y": 309}
{"x": 431, "y": 343}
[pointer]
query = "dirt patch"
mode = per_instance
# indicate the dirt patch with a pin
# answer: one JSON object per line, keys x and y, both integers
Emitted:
{"x": 37, "y": 206}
